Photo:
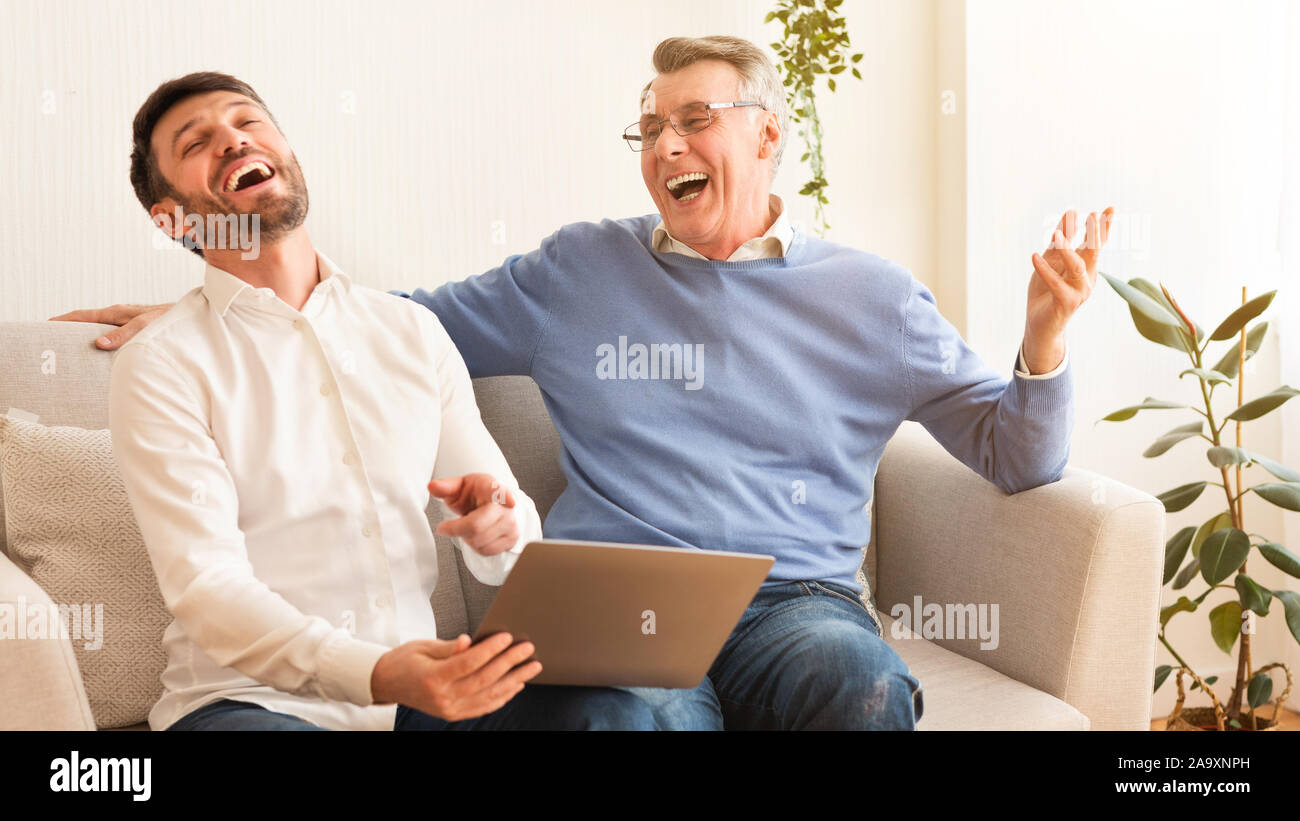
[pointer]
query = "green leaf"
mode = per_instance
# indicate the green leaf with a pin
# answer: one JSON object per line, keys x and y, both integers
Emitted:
{"x": 1251, "y": 595}
{"x": 1183, "y": 605}
{"x": 1260, "y": 690}
{"x": 1291, "y": 603}
{"x": 1282, "y": 494}
{"x": 1213, "y": 377}
{"x": 838, "y": 69}
{"x": 1282, "y": 472}
{"x": 857, "y": 73}
{"x": 1223, "y": 456}
{"x": 1256, "y": 408}
{"x": 1175, "y": 550}
{"x": 1254, "y": 338}
{"x": 1222, "y": 554}
{"x": 1216, "y": 522}
{"x": 1236, "y": 320}
{"x": 1281, "y": 558}
{"x": 1171, "y": 337}
{"x": 831, "y": 83}
{"x": 1208, "y": 681}
{"x": 1181, "y": 496}
{"x": 1145, "y": 305}
{"x": 857, "y": 58}
{"x": 1186, "y": 575}
{"x": 1225, "y": 625}
{"x": 1162, "y": 673}
{"x": 1173, "y": 437}
{"x": 1148, "y": 403}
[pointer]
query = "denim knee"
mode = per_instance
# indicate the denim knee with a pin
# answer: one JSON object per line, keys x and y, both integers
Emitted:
{"x": 604, "y": 708}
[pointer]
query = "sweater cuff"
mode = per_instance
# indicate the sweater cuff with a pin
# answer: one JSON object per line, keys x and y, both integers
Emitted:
{"x": 346, "y": 665}
{"x": 1045, "y": 394}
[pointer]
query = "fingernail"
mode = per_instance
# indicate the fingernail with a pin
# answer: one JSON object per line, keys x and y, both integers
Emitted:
{"x": 102, "y": 342}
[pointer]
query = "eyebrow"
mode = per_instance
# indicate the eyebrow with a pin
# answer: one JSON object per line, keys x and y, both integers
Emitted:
{"x": 177, "y": 135}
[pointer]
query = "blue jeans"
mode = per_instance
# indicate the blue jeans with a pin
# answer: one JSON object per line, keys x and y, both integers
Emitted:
{"x": 805, "y": 655}
{"x": 537, "y": 707}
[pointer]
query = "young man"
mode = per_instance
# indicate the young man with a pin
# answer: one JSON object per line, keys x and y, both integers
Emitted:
{"x": 277, "y": 430}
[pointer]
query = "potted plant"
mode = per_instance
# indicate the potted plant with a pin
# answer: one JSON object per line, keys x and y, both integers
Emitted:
{"x": 1218, "y": 550}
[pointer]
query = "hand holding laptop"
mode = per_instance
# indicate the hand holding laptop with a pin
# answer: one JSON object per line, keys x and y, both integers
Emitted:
{"x": 452, "y": 680}
{"x": 486, "y": 521}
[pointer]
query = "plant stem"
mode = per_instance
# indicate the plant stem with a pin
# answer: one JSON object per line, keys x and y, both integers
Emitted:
{"x": 1243, "y": 655}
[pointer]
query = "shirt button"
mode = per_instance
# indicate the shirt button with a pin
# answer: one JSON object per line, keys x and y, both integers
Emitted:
{"x": 367, "y": 532}
{"x": 325, "y": 389}
{"x": 382, "y": 601}
{"x": 349, "y": 458}
{"x": 298, "y": 324}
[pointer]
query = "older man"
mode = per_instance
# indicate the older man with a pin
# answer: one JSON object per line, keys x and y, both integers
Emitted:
{"x": 722, "y": 381}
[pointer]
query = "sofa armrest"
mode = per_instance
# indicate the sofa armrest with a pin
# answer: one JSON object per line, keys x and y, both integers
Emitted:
{"x": 40, "y": 683}
{"x": 1074, "y": 568}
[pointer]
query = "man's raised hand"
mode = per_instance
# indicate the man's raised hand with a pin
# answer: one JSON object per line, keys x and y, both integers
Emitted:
{"x": 1062, "y": 281}
{"x": 486, "y": 523}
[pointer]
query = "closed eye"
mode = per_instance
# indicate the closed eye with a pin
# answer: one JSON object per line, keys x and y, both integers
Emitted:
{"x": 249, "y": 122}
{"x": 191, "y": 146}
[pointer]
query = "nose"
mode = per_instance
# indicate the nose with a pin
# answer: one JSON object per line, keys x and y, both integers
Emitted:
{"x": 670, "y": 144}
{"x": 230, "y": 140}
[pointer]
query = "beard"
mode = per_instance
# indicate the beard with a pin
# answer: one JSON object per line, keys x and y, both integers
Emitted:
{"x": 277, "y": 214}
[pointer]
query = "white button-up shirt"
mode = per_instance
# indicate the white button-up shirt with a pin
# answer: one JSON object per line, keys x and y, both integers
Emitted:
{"x": 775, "y": 242}
{"x": 277, "y": 462}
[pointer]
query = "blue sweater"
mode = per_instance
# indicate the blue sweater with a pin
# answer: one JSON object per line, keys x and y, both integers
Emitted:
{"x": 741, "y": 405}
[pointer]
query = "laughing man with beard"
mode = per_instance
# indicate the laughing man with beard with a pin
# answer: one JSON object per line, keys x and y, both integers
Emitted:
{"x": 277, "y": 430}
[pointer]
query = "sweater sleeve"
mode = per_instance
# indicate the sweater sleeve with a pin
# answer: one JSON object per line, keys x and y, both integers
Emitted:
{"x": 497, "y": 318}
{"x": 1016, "y": 433}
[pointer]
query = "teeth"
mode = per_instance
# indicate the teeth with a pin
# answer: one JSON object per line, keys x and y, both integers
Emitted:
{"x": 233, "y": 182}
{"x": 689, "y": 197}
{"x": 677, "y": 182}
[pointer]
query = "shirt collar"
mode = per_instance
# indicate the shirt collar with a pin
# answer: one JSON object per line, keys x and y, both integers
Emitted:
{"x": 222, "y": 288}
{"x": 780, "y": 229}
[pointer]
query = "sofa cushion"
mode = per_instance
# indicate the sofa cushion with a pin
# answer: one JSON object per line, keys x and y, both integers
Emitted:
{"x": 961, "y": 694}
{"x": 71, "y": 529}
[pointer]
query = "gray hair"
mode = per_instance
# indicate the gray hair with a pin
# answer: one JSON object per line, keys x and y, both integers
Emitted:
{"x": 759, "y": 80}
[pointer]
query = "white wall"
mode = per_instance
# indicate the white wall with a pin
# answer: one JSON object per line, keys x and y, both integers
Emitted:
{"x": 439, "y": 137}
{"x": 1174, "y": 113}
{"x": 436, "y": 137}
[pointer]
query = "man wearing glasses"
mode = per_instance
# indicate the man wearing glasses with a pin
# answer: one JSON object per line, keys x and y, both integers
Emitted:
{"x": 722, "y": 381}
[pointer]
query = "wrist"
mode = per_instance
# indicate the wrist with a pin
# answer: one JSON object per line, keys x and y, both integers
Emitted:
{"x": 1043, "y": 357}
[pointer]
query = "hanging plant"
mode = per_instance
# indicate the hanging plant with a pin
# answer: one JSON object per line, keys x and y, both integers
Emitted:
{"x": 815, "y": 43}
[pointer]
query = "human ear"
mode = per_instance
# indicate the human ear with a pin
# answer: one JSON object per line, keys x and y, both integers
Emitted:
{"x": 167, "y": 215}
{"x": 769, "y": 137}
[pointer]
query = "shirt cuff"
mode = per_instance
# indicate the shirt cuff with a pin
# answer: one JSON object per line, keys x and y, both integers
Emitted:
{"x": 346, "y": 665}
{"x": 1022, "y": 370}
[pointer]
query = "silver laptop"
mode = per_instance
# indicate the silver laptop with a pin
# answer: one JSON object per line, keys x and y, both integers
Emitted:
{"x": 605, "y": 614}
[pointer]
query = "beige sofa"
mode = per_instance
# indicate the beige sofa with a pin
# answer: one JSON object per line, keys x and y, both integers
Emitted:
{"x": 1074, "y": 567}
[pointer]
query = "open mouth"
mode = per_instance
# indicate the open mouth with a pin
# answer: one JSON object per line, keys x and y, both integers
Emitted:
{"x": 247, "y": 176}
{"x": 687, "y": 187}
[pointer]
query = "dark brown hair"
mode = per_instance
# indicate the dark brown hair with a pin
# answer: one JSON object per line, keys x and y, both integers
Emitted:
{"x": 146, "y": 178}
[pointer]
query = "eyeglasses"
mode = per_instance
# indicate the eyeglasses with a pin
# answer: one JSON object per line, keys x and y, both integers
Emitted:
{"x": 691, "y": 118}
